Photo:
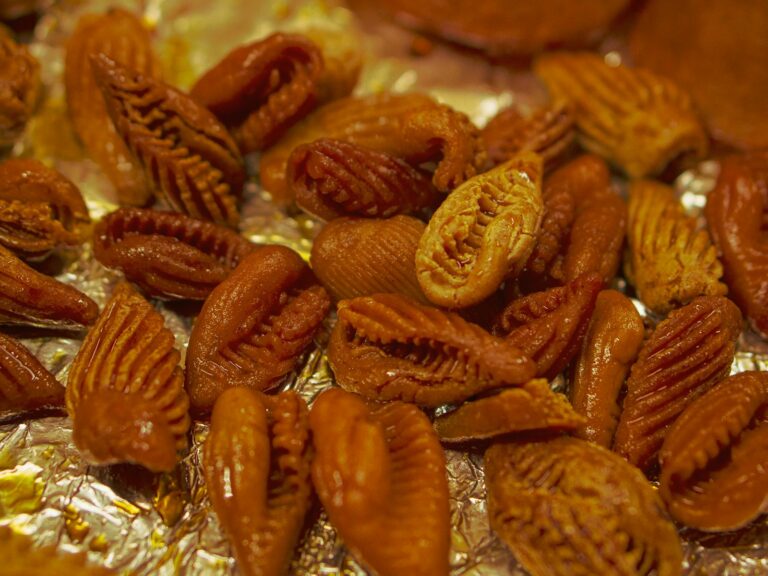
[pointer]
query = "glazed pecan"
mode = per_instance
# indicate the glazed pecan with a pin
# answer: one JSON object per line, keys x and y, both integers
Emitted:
{"x": 125, "y": 390}
{"x": 380, "y": 475}
{"x": 19, "y": 87}
{"x": 187, "y": 155}
{"x": 168, "y": 255}
{"x": 257, "y": 472}
{"x": 359, "y": 257}
{"x": 685, "y": 356}
{"x": 714, "y": 457}
{"x": 610, "y": 347}
{"x": 387, "y": 347}
{"x": 482, "y": 233}
{"x": 121, "y": 36}
{"x": 254, "y": 326}
{"x": 332, "y": 178}
{"x": 569, "y": 508}
{"x": 670, "y": 262}
{"x": 637, "y": 120}
{"x": 532, "y": 406}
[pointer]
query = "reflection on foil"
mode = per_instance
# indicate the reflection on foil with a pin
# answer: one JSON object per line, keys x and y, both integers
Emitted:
{"x": 140, "y": 523}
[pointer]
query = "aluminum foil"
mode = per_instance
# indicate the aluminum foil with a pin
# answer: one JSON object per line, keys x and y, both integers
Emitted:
{"x": 140, "y": 523}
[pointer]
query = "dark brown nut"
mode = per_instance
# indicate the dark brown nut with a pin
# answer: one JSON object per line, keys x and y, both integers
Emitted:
{"x": 332, "y": 178}
{"x": 257, "y": 471}
{"x": 254, "y": 326}
{"x": 550, "y": 326}
{"x": 570, "y": 508}
{"x": 187, "y": 155}
{"x": 482, "y": 233}
{"x": 380, "y": 475}
{"x": 125, "y": 390}
{"x": 532, "y": 406}
{"x": 19, "y": 87}
{"x": 28, "y": 297}
{"x": 686, "y": 355}
{"x": 168, "y": 255}
{"x": 715, "y": 455}
{"x": 610, "y": 347}
{"x": 387, "y": 347}
{"x": 121, "y": 36}
{"x": 360, "y": 257}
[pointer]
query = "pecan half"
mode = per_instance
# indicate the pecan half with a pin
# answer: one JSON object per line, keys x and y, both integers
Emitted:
{"x": 482, "y": 233}
{"x": 685, "y": 356}
{"x": 187, "y": 155}
{"x": 332, "y": 178}
{"x": 569, "y": 508}
{"x": 637, "y": 120}
{"x": 168, "y": 255}
{"x": 380, "y": 475}
{"x": 19, "y": 87}
{"x": 714, "y": 458}
{"x": 125, "y": 390}
{"x": 256, "y": 463}
{"x": 387, "y": 347}
{"x": 254, "y": 326}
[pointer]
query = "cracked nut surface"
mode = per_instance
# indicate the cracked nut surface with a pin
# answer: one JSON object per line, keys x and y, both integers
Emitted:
{"x": 19, "y": 87}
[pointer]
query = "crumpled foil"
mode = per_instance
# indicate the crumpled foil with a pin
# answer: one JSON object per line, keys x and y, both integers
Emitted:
{"x": 140, "y": 523}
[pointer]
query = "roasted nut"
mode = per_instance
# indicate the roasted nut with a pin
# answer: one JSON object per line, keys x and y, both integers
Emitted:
{"x": 360, "y": 257}
{"x": 121, "y": 36}
{"x": 125, "y": 390}
{"x": 481, "y": 234}
{"x": 168, "y": 255}
{"x": 380, "y": 475}
{"x": 635, "y": 119}
{"x": 686, "y": 355}
{"x": 387, "y": 347}
{"x": 332, "y": 178}
{"x": 569, "y": 508}
{"x": 610, "y": 347}
{"x": 715, "y": 455}
{"x": 19, "y": 87}
{"x": 187, "y": 155}
{"x": 257, "y": 472}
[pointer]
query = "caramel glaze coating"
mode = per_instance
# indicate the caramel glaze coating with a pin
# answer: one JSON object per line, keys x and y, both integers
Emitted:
{"x": 125, "y": 391}
{"x": 610, "y": 347}
{"x": 380, "y": 475}
{"x": 19, "y": 87}
{"x": 256, "y": 463}
{"x": 254, "y": 326}
{"x": 170, "y": 256}
{"x": 686, "y": 355}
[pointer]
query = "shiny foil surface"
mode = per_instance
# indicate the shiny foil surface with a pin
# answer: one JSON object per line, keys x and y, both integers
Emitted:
{"x": 139, "y": 523}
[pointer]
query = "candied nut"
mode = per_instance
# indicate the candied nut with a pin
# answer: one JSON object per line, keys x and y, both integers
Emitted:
{"x": 360, "y": 257}
{"x": 482, "y": 233}
{"x": 125, "y": 390}
{"x": 610, "y": 347}
{"x": 332, "y": 178}
{"x": 19, "y": 87}
{"x": 100, "y": 34}
{"x": 532, "y": 406}
{"x": 635, "y": 119}
{"x": 570, "y": 508}
{"x": 387, "y": 347}
{"x": 261, "y": 88}
{"x": 714, "y": 458}
{"x": 380, "y": 475}
{"x": 187, "y": 155}
{"x": 254, "y": 326}
{"x": 257, "y": 471}
{"x": 685, "y": 356}
{"x": 168, "y": 255}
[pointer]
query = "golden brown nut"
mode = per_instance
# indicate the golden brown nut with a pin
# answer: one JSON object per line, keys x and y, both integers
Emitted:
{"x": 257, "y": 472}
{"x": 380, "y": 475}
{"x": 125, "y": 390}
{"x": 482, "y": 233}
{"x": 635, "y": 119}
{"x": 569, "y": 508}
{"x": 19, "y": 87}
{"x": 121, "y": 36}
